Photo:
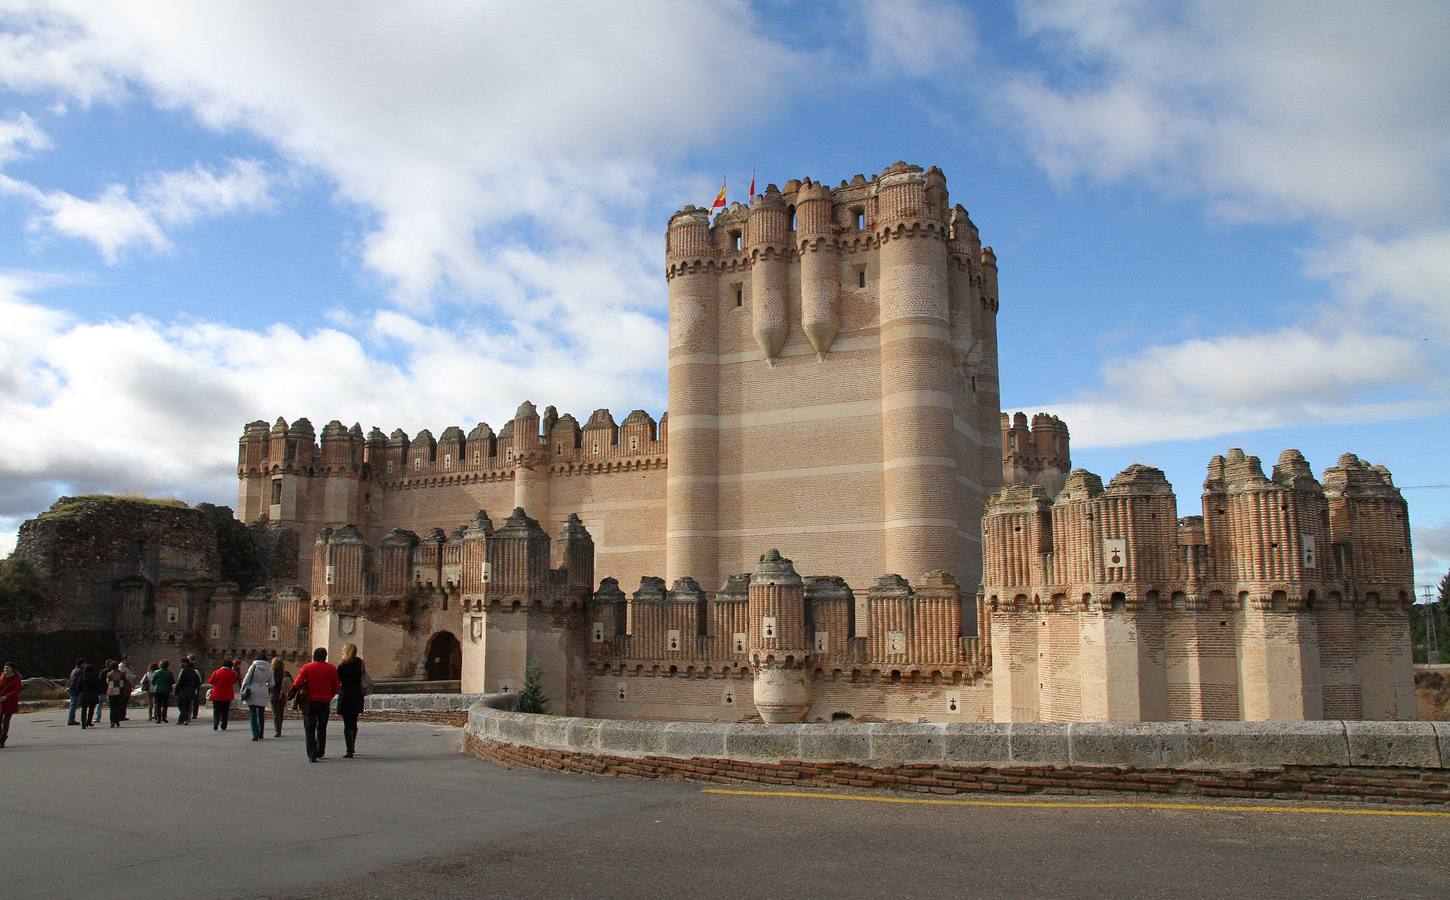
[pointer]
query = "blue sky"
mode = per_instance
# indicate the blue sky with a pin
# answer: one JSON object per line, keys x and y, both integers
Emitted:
{"x": 1217, "y": 224}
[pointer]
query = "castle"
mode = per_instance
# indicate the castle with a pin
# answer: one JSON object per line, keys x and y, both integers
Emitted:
{"x": 833, "y": 392}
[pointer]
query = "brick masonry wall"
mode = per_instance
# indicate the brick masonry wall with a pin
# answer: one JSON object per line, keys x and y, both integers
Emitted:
{"x": 1369, "y": 761}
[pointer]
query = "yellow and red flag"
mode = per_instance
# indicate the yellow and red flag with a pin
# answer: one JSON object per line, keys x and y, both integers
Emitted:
{"x": 720, "y": 197}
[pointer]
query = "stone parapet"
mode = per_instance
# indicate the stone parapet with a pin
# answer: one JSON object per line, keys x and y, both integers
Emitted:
{"x": 1404, "y": 761}
{"x": 419, "y": 702}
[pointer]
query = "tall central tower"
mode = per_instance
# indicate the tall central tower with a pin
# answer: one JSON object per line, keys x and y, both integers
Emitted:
{"x": 832, "y": 381}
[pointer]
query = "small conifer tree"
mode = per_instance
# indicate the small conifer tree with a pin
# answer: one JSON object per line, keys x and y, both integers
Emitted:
{"x": 532, "y": 699}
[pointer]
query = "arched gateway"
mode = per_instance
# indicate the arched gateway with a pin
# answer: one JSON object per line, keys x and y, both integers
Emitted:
{"x": 445, "y": 657}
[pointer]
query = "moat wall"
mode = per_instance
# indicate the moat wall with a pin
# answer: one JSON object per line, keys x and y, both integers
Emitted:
{"x": 1396, "y": 762}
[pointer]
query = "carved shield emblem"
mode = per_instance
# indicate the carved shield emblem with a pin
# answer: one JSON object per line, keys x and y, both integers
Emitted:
{"x": 475, "y": 627}
{"x": 347, "y": 624}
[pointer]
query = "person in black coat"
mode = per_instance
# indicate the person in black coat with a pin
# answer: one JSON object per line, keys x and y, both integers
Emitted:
{"x": 354, "y": 684}
{"x": 188, "y": 688}
{"x": 91, "y": 688}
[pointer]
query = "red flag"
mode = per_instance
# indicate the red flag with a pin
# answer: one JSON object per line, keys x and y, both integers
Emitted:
{"x": 752, "y": 184}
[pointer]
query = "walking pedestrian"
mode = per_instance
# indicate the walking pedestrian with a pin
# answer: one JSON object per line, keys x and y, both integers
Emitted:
{"x": 223, "y": 691}
{"x": 10, "y": 685}
{"x": 162, "y": 681}
{"x": 195, "y": 698}
{"x": 90, "y": 694}
{"x": 256, "y": 692}
{"x": 281, "y": 685}
{"x": 146, "y": 689}
{"x": 103, "y": 697}
{"x": 188, "y": 686}
{"x": 125, "y": 666}
{"x": 353, "y": 685}
{"x": 316, "y": 684}
{"x": 116, "y": 694}
{"x": 73, "y": 687}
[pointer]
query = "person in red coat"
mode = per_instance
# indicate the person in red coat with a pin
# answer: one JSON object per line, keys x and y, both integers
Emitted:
{"x": 316, "y": 683}
{"x": 9, "y": 700}
{"x": 223, "y": 691}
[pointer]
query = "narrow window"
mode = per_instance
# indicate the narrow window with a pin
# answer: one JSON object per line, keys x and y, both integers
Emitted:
{"x": 558, "y": 449}
{"x": 861, "y": 277}
{"x": 790, "y": 211}
{"x": 737, "y": 241}
{"x": 447, "y": 460}
{"x": 390, "y": 467}
{"x": 858, "y": 216}
{"x": 739, "y": 295}
{"x": 276, "y": 491}
{"x": 596, "y": 448}
{"x": 475, "y": 457}
{"x": 634, "y": 442}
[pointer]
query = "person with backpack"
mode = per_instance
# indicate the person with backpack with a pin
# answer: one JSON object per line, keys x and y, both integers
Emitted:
{"x": 146, "y": 689}
{"x": 256, "y": 692}
{"x": 188, "y": 687}
{"x": 10, "y": 687}
{"x": 281, "y": 686}
{"x": 315, "y": 686}
{"x": 223, "y": 691}
{"x": 162, "y": 681}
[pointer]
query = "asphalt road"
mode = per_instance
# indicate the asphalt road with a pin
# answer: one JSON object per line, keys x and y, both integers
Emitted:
{"x": 162, "y": 811}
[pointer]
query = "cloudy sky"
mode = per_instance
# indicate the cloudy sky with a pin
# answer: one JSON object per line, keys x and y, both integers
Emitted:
{"x": 1219, "y": 224}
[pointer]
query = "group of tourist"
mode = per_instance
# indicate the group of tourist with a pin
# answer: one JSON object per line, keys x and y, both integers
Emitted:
{"x": 264, "y": 684}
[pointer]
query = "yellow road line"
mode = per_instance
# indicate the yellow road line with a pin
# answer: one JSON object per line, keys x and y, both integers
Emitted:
{"x": 1088, "y": 804}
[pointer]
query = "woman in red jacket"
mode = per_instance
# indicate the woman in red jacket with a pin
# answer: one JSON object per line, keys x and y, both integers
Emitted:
{"x": 223, "y": 691}
{"x": 9, "y": 699}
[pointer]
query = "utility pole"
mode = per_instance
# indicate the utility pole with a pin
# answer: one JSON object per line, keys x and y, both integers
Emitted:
{"x": 1432, "y": 643}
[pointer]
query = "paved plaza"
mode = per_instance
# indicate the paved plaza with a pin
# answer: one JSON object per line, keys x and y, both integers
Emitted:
{"x": 161, "y": 811}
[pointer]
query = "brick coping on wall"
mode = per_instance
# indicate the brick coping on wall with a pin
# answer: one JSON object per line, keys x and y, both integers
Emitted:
{"x": 1379, "y": 761}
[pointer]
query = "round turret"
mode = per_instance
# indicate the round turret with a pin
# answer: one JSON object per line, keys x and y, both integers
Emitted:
{"x": 779, "y": 650}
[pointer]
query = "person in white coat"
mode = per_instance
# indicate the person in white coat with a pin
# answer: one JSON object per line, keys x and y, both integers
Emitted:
{"x": 256, "y": 692}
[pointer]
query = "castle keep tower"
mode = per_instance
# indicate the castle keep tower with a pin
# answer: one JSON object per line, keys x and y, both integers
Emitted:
{"x": 833, "y": 381}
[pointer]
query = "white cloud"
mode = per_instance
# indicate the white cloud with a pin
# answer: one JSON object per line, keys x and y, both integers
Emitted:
{"x": 1432, "y": 554}
{"x": 1334, "y": 115}
{"x": 20, "y": 135}
{"x": 1281, "y": 110}
{"x": 453, "y": 126}
{"x": 918, "y": 38}
{"x": 156, "y": 407}
{"x": 116, "y": 221}
{"x": 1208, "y": 386}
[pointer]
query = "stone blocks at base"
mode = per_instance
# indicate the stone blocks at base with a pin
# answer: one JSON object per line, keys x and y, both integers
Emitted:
{"x": 1396, "y": 743}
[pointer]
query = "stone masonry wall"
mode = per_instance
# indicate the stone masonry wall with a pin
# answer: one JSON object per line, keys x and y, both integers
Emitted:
{"x": 1381, "y": 762}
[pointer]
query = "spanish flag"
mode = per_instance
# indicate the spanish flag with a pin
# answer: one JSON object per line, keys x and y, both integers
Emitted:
{"x": 720, "y": 197}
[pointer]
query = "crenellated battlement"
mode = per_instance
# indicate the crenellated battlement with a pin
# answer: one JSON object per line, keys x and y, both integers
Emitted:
{"x": 776, "y": 618}
{"x": 904, "y": 200}
{"x": 1039, "y": 454}
{"x": 559, "y": 441}
{"x": 1286, "y": 598}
